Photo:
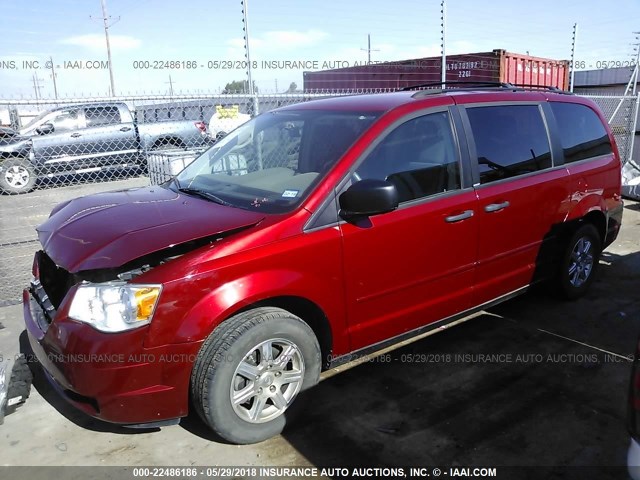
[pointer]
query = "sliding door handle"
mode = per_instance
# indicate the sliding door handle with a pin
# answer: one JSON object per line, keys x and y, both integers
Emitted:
{"x": 496, "y": 207}
{"x": 459, "y": 217}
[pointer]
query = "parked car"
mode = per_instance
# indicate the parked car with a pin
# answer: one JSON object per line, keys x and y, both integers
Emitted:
{"x": 311, "y": 235}
{"x": 225, "y": 120}
{"x": 14, "y": 148}
{"x": 87, "y": 138}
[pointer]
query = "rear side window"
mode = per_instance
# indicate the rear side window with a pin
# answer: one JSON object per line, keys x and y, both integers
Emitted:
{"x": 96, "y": 116}
{"x": 581, "y": 132}
{"x": 511, "y": 140}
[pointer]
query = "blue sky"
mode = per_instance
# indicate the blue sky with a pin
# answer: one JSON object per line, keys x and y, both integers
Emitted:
{"x": 327, "y": 30}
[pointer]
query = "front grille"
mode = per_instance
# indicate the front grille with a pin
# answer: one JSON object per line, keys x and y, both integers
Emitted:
{"x": 56, "y": 281}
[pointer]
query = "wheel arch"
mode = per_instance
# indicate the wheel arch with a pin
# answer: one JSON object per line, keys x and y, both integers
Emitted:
{"x": 310, "y": 313}
{"x": 598, "y": 220}
{"x": 168, "y": 140}
{"x": 218, "y": 306}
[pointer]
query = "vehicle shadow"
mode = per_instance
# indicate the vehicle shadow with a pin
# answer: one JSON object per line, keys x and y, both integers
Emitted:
{"x": 518, "y": 385}
{"x": 52, "y": 397}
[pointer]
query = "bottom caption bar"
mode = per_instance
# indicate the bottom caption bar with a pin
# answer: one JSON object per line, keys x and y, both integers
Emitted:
{"x": 305, "y": 472}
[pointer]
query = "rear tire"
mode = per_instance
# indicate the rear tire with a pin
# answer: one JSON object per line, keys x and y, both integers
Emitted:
{"x": 250, "y": 370}
{"x": 17, "y": 175}
{"x": 579, "y": 262}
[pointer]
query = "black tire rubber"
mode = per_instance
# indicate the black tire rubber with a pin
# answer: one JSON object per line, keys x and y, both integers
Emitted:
{"x": 564, "y": 287}
{"x": 19, "y": 384}
{"x": 168, "y": 144}
{"x": 5, "y": 187}
{"x": 219, "y": 356}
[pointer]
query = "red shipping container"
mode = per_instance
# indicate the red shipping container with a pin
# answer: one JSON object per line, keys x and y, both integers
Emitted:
{"x": 495, "y": 66}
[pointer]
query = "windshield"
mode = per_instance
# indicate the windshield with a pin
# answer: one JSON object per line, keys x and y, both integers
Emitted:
{"x": 271, "y": 162}
{"x": 35, "y": 120}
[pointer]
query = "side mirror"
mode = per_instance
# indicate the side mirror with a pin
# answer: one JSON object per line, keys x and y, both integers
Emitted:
{"x": 368, "y": 197}
{"x": 45, "y": 129}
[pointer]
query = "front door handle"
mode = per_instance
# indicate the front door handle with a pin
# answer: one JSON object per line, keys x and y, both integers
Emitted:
{"x": 459, "y": 217}
{"x": 125, "y": 129}
{"x": 496, "y": 207}
{"x": 75, "y": 135}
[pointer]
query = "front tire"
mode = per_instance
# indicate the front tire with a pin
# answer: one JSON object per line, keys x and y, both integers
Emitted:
{"x": 579, "y": 262}
{"x": 17, "y": 175}
{"x": 250, "y": 370}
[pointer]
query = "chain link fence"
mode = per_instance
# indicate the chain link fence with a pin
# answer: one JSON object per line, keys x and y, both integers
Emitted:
{"x": 621, "y": 112}
{"x": 55, "y": 150}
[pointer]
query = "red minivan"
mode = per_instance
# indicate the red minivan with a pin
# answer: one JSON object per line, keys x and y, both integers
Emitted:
{"x": 313, "y": 234}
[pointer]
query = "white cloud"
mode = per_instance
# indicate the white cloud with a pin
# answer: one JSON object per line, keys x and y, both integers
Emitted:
{"x": 94, "y": 41}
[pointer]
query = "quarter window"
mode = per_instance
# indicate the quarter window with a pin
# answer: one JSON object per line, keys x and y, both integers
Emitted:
{"x": 581, "y": 132}
{"x": 419, "y": 157}
{"x": 511, "y": 140}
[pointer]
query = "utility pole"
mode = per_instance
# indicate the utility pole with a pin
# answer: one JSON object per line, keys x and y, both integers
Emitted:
{"x": 53, "y": 77}
{"x": 36, "y": 85}
{"x": 105, "y": 19}
{"x": 245, "y": 28}
{"x": 574, "y": 39}
{"x": 633, "y": 81}
{"x": 170, "y": 82}
{"x": 369, "y": 49}
{"x": 634, "y": 75}
{"x": 443, "y": 26}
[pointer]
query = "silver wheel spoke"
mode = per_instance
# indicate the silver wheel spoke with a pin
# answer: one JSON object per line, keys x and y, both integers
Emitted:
{"x": 247, "y": 370}
{"x": 257, "y": 407}
{"x": 279, "y": 401}
{"x": 285, "y": 356}
{"x": 266, "y": 352}
{"x": 241, "y": 396}
{"x": 291, "y": 376}
{"x": 574, "y": 278}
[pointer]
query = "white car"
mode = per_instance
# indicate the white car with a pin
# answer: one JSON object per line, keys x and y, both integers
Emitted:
{"x": 225, "y": 120}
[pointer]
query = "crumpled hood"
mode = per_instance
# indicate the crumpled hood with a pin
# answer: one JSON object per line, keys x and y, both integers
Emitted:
{"x": 109, "y": 229}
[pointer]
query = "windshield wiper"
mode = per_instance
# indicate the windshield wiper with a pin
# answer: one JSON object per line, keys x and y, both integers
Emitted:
{"x": 204, "y": 194}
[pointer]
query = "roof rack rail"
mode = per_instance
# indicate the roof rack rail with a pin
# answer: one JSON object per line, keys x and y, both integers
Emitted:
{"x": 457, "y": 82}
{"x": 533, "y": 86}
{"x": 477, "y": 85}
